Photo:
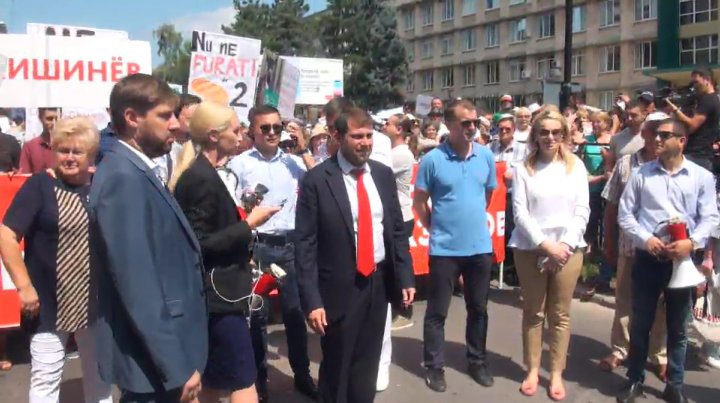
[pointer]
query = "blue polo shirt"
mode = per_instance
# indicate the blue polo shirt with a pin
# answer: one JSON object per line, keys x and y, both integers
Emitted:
{"x": 458, "y": 223}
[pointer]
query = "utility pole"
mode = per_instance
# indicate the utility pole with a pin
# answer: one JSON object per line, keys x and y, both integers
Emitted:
{"x": 566, "y": 90}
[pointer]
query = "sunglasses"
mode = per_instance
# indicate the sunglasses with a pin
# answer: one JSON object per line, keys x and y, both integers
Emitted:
{"x": 470, "y": 122}
{"x": 505, "y": 129}
{"x": 557, "y": 133}
{"x": 664, "y": 135}
{"x": 265, "y": 129}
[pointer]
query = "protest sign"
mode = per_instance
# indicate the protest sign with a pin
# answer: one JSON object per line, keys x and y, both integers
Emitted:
{"x": 224, "y": 69}
{"x": 422, "y": 105}
{"x": 290, "y": 77}
{"x": 9, "y": 302}
{"x": 320, "y": 79}
{"x": 59, "y": 71}
{"x": 33, "y": 28}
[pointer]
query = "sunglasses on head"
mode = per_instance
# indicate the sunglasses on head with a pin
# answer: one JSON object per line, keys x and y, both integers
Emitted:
{"x": 470, "y": 122}
{"x": 276, "y": 128}
{"x": 664, "y": 135}
{"x": 557, "y": 133}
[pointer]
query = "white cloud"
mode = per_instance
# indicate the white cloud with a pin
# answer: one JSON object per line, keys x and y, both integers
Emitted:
{"x": 209, "y": 21}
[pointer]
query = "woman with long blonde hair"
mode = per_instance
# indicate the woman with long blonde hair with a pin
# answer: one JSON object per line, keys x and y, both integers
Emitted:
{"x": 224, "y": 239}
{"x": 551, "y": 209}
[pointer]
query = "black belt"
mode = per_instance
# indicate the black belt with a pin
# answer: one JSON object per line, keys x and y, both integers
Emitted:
{"x": 274, "y": 240}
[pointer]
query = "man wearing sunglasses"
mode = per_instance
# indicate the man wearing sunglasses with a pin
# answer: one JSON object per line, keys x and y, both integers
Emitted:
{"x": 459, "y": 177}
{"x": 265, "y": 163}
{"x": 670, "y": 187}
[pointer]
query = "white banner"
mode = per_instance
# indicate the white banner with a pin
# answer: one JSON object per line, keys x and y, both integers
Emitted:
{"x": 224, "y": 69}
{"x": 288, "y": 90}
{"x": 320, "y": 79}
{"x": 44, "y": 71}
{"x": 33, "y": 28}
{"x": 422, "y": 105}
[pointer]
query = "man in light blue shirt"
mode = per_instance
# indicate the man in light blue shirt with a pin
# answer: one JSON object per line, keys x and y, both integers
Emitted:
{"x": 458, "y": 177}
{"x": 280, "y": 173}
{"x": 672, "y": 187}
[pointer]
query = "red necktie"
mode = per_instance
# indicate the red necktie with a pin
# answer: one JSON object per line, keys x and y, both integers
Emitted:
{"x": 365, "y": 248}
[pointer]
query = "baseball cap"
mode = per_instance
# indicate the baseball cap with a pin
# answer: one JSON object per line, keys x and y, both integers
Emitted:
{"x": 646, "y": 96}
{"x": 506, "y": 98}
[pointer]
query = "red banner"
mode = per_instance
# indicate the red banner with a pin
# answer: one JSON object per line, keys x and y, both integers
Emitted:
{"x": 419, "y": 243}
{"x": 9, "y": 302}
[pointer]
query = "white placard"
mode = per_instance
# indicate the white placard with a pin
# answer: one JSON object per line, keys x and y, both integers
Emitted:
{"x": 33, "y": 28}
{"x": 288, "y": 90}
{"x": 320, "y": 79}
{"x": 56, "y": 71}
{"x": 224, "y": 69}
{"x": 422, "y": 105}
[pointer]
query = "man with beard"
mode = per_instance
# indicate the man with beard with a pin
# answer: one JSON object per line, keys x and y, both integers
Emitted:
{"x": 151, "y": 316}
{"x": 459, "y": 177}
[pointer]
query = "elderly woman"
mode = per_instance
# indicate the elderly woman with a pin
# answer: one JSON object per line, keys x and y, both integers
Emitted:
{"x": 53, "y": 279}
{"x": 551, "y": 208}
{"x": 319, "y": 143}
{"x": 225, "y": 242}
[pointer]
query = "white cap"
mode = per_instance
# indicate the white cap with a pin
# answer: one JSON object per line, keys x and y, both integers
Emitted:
{"x": 534, "y": 107}
{"x": 657, "y": 116}
{"x": 285, "y": 136}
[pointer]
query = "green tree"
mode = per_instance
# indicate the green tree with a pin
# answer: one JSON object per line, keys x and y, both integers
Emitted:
{"x": 175, "y": 52}
{"x": 364, "y": 34}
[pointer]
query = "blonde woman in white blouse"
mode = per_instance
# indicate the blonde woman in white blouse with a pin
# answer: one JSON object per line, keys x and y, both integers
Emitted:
{"x": 551, "y": 205}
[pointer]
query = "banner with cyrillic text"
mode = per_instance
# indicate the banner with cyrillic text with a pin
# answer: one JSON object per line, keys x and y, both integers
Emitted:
{"x": 224, "y": 69}
{"x": 57, "y": 71}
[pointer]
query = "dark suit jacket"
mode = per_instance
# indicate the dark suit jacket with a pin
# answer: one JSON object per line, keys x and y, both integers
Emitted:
{"x": 325, "y": 250}
{"x": 150, "y": 312}
{"x": 224, "y": 237}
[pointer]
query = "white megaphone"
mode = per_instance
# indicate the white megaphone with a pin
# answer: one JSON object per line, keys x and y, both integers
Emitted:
{"x": 685, "y": 274}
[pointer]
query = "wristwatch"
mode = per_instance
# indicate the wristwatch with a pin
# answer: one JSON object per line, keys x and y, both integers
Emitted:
{"x": 303, "y": 152}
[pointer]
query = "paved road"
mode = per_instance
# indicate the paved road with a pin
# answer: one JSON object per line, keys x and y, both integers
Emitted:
{"x": 585, "y": 383}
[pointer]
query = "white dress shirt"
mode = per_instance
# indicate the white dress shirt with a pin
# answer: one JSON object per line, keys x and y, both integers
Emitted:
{"x": 382, "y": 149}
{"x": 376, "y": 206}
{"x": 550, "y": 204}
{"x": 149, "y": 162}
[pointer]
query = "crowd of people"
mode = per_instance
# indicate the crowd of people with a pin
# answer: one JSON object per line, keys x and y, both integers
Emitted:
{"x": 145, "y": 241}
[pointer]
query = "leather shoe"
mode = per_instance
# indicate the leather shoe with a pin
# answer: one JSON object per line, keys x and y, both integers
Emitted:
{"x": 480, "y": 373}
{"x": 631, "y": 392}
{"x": 305, "y": 385}
{"x": 435, "y": 379}
{"x": 671, "y": 394}
{"x": 661, "y": 372}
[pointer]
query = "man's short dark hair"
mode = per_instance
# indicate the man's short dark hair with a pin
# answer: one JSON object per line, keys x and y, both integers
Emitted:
{"x": 185, "y": 101}
{"x": 261, "y": 110}
{"x": 140, "y": 92}
{"x": 358, "y": 116}
{"x": 678, "y": 127}
{"x": 703, "y": 72}
{"x": 41, "y": 111}
{"x": 634, "y": 104}
{"x": 451, "y": 110}
{"x": 335, "y": 106}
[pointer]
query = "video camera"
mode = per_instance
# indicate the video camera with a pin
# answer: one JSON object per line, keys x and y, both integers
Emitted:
{"x": 684, "y": 98}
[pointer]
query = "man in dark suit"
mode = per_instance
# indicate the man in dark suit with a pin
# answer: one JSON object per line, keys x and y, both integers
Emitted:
{"x": 151, "y": 314}
{"x": 352, "y": 258}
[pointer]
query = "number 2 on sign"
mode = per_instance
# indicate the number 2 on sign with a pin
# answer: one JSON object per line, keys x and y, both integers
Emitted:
{"x": 236, "y": 101}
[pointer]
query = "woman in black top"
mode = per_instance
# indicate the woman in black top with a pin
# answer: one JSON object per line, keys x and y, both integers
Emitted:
{"x": 225, "y": 241}
{"x": 53, "y": 280}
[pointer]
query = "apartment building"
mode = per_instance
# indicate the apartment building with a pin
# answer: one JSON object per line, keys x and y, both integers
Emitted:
{"x": 480, "y": 49}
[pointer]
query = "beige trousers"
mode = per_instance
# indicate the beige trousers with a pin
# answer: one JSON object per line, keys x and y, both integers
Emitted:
{"x": 546, "y": 295}
{"x": 620, "y": 334}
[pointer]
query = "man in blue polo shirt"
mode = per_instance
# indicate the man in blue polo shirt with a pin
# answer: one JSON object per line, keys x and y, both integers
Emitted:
{"x": 458, "y": 177}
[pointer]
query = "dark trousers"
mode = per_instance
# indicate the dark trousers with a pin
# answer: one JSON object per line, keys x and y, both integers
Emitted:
{"x": 397, "y": 308}
{"x": 650, "y": 277}
{"x": 444, "y": 272}
{"x": 293, "y": 316}
{"x": 352, "y": 344}
{"x": 172, "y": 396}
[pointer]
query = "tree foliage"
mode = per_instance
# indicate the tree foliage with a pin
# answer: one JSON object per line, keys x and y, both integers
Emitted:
{"x": 175, "y": 52}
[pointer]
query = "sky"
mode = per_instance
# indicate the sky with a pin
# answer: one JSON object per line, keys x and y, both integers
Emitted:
{"x": 138, "y": 17}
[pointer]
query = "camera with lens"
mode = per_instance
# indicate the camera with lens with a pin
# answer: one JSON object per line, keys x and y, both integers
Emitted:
{"x": 287, "y": 141}
{"x": 684, "y": 98}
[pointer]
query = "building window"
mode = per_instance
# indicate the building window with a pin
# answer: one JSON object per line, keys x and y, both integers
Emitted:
{"x": 694, "y": 11}
{"x": 516, "y": 70}
{"x": 699, "y": 50}
{"x": 427, "y": 14}
{"x": 469, "y": 7}
{"x": 490, "y": 4}
{"x": 447, "y": 45}
{"x": 645, "y": 54}
{"x": 547, "y": 25}
{"x": 410, "y": 50}
{"x": 606, "y": 100}
{"x": 408, "y": 19}
{"x": 544, "y": 66}
{"x": 609, "y": 59}
{"x": 492, "y": 35}
{"x": 645, "y": 10}
{"x": 579, "y": 22}
{"x": 578, "y": 63}
{"x": 410, "y": 85}
{"x": 492, "y": 72}
{"x": 427, "y": 80}
{"x": 516, "y": 2}
{"x": 447, "y": 10}
{"x": 469, "y": 75}
{"x": 468, "y": 39}
{"x": 518, "y": 30}
{"x": 426, "y": 49}
{"x": 609, "y": 13}
{"x": 447, "y": 77}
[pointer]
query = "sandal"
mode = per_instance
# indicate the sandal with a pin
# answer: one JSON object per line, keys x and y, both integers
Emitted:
{"x": 5, "y": 365}
{"x": 557, "y": 393}
{"x": 610, "y": 363}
